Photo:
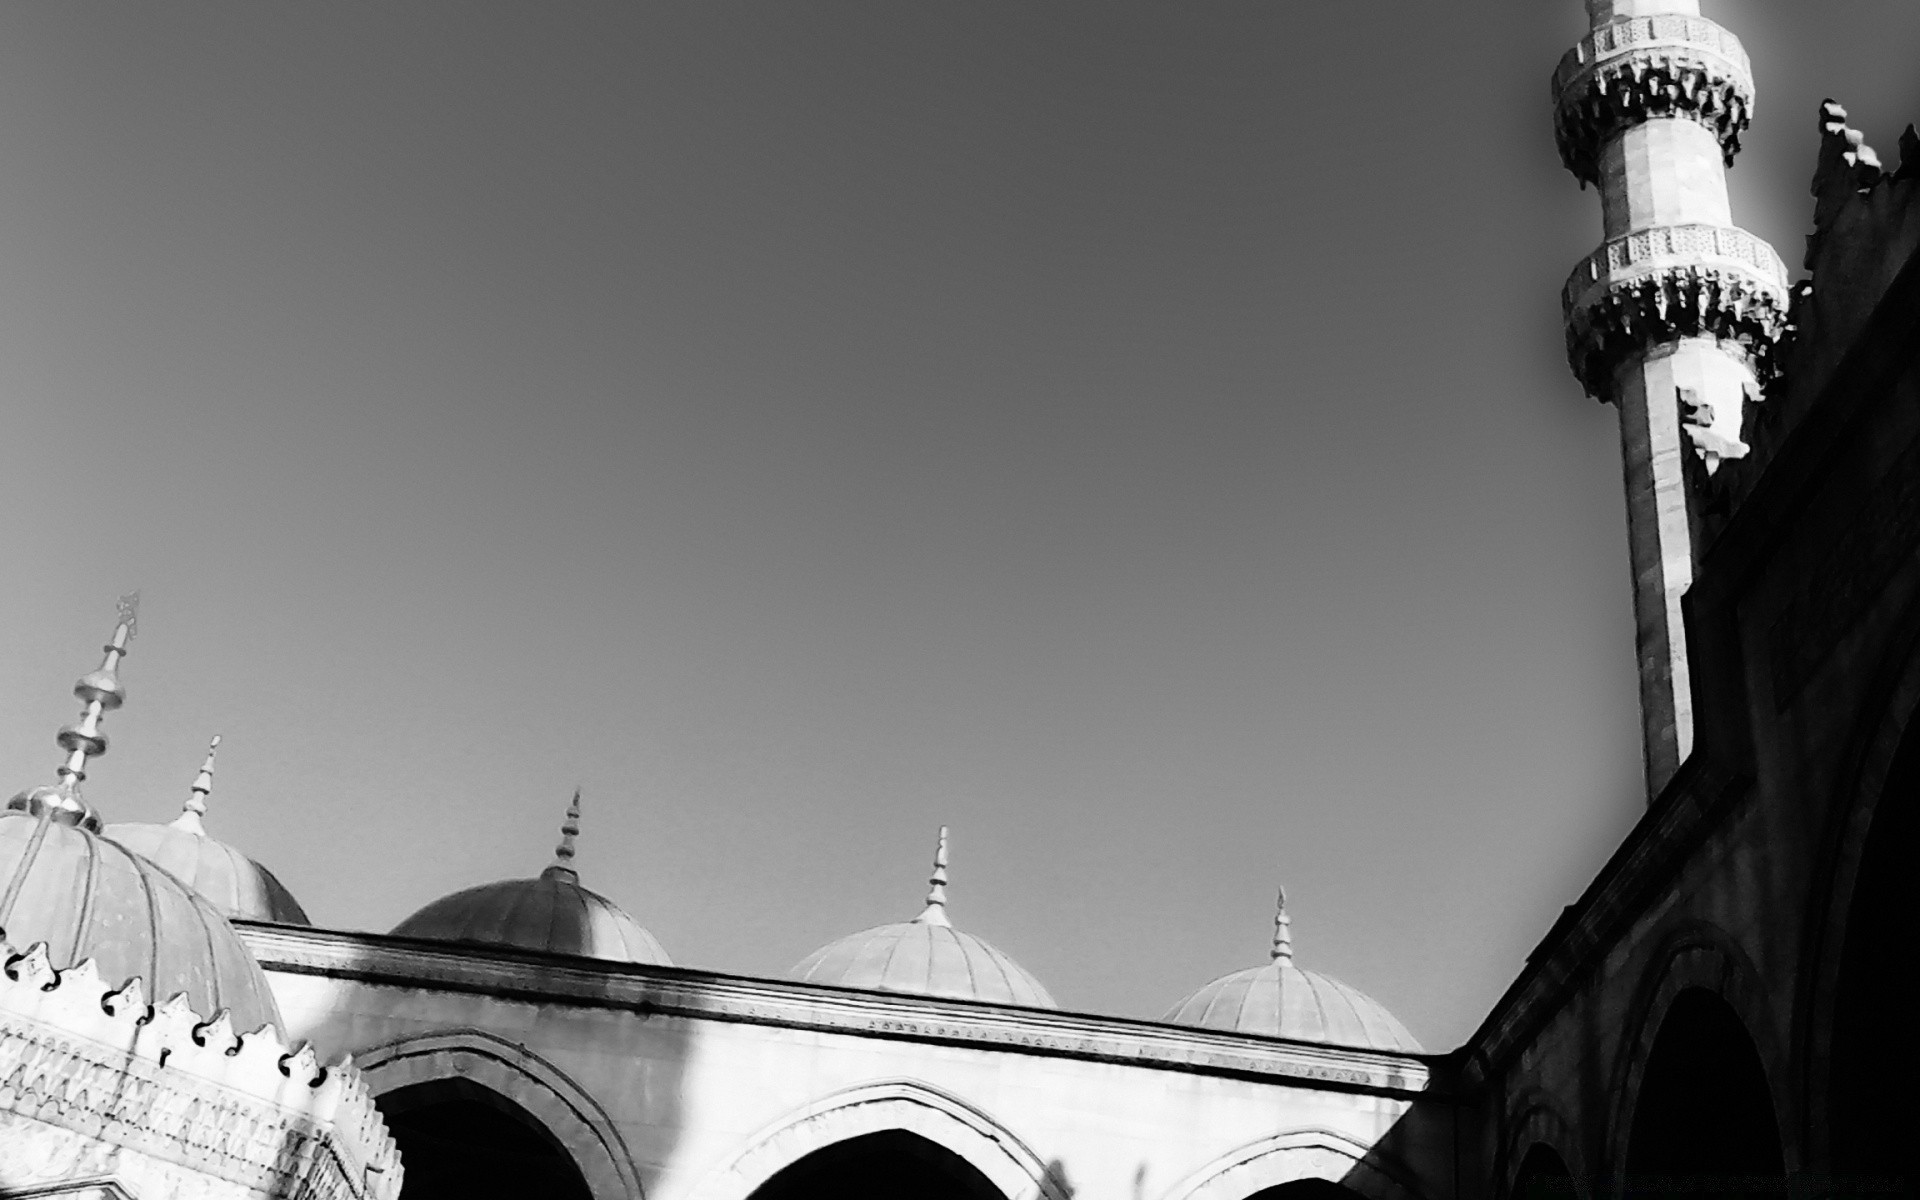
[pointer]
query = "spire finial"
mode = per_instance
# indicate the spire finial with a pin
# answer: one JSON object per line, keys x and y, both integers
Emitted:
{"x": 196, "y": 806}
{"x": 99, "y": 692}
{"x": 1282, "y": 930}
{"x": 936, "y": 910}
{"x": 563, "y": 853}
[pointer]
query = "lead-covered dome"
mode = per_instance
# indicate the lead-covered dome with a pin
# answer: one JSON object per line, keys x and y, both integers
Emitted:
{"x": 926, "y": 956}
{"x": 551, "y": 913}
{"x": 233, "y": 883}
{"x": 1284, "y": 1001}
{"x": 88, "y": 898}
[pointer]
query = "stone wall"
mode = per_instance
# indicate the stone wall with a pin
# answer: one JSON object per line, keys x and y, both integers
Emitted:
{"x": 685, "y": 1085}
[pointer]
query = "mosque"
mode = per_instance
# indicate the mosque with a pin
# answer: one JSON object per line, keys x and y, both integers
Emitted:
{"x": 1718, "y": 1012}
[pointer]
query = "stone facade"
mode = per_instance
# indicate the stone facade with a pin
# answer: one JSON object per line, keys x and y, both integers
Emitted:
{"x": 685, "y": 1085}
{"x": 101, "y": 1093}
{"x": 1754, "y": 897}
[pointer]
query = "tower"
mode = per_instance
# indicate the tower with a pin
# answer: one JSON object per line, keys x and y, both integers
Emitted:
{"x": 1675, "y": 317}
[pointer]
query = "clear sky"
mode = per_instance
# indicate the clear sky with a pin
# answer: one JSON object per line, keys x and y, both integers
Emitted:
{"x": 1135, "y": 435}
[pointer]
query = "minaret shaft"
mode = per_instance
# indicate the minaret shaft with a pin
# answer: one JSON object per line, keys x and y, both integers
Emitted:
{"x": 1673, "y": 319}
{"x": 1663, "y": 172}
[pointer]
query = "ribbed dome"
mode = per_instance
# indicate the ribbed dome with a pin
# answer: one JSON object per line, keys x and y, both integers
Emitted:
{"x": 551, "y": 913}
{"x": 926, "y": 956}
{"x": 234, "y": 884}
{"x": 1281, "y": 1000}
{"x": 86, "y": 897}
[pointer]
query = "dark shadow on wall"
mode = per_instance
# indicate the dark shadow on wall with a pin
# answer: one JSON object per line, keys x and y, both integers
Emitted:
{"x": 1543, "y": 1175}
{"x": 1703, "y": 1122}
{"x": 880, "y": 1166}
{"x": 460, "y": 1141}
{"x": 1307, "y": 1189}
{"x": 1874, "y": 1110}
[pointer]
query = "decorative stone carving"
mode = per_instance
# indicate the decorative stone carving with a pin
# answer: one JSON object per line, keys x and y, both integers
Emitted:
{"x": 91, "y": 1073}
{"x": 1654, "y": 286}
{"x": 1640, "y": 68}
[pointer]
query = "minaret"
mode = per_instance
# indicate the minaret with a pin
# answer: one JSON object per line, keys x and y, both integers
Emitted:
{"x": 1675, "y": 317}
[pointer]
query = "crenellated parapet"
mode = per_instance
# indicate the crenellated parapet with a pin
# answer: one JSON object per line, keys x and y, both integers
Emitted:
{"x": 1866, "y": 230}
{"x": 1636, "y": 69}
{"x": 1659, "y": 285}
{"x": 96, "y": 1084}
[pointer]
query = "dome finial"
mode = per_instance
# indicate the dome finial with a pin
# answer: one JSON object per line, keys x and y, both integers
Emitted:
{"x": 569, "y": 831}
{"x": 100, "y": 693}
{"x": 936, "y": 910}
{"x": 196, "y": 806}
{"x": 1282, "y": 930}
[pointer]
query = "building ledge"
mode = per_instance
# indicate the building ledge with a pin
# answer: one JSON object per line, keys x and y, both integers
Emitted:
{"x": 383, "y": 959}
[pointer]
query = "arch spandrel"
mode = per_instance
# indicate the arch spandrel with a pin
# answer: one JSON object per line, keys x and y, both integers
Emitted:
{"x": 538, "y": 1087}
{"x": 900, "y": 1104}
{"x": 1290, "y": 1157}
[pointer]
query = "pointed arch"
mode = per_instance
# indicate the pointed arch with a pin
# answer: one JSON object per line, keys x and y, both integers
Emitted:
{"x": 1697, "y": 955}
{"x": 570, "y": 1115}
{"x": 1537, "y": 1123}
{"x": 898, "y": 1104}
{"x": 1295, "y": 1155}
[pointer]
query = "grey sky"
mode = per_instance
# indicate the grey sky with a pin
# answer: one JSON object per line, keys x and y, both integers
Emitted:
{"x": 1136, "y": 436}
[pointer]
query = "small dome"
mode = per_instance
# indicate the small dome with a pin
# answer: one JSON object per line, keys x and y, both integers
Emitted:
{"x": 926, "y": 956}
{"x": 552, "y": 913}
{"x": 233, "y": 883}
{"x": 1281, "y": 1000}
{"x": 87, "y": 897}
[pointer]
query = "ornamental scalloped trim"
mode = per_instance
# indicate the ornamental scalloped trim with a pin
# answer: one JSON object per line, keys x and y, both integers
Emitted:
{"x": 1746, "y": 315}
{"x": 78, "y": 1054}
{"x": 1644, "y": 68}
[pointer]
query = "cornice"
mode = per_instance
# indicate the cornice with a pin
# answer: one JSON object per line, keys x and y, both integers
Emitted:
{"x": 1637, "y": 69}
{"x": 702, "y": 995}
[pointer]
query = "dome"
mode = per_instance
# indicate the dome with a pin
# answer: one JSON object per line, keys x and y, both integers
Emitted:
{"x": 926, "y": 956}
{"x": 1284, "y": 1001}
{"x": 234, "y": 884}
{"x": 551, "y": 913}
{"x": 86, "y": 897}
{"x": 89, "y": 898}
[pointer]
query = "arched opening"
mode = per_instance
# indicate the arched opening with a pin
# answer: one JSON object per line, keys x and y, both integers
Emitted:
{"x": 880, "y": 1166}
{"x": 1307, "y": 1189}
{"x": 1543, "y": 1175}
{"x": 1703, "y": 1122}
{"x": 1872, "y": 1111}
{"x": 460, "y": 1140}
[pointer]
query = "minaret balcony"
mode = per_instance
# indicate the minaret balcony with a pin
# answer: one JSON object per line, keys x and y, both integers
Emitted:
{"x": 1640, "y": 69}
{"x": 1660, "y": 285}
